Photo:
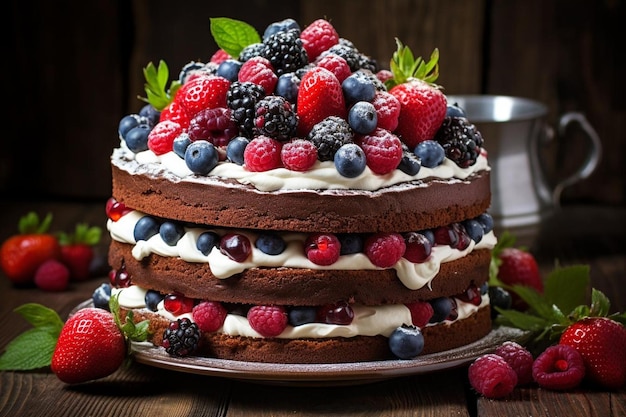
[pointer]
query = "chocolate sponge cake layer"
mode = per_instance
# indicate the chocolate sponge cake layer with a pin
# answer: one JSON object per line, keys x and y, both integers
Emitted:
{"x": 413, "y": 206}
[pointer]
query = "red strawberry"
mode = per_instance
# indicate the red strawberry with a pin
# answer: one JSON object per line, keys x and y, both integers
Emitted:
{"x": 602, "y": 344}
{"x": 77, "y": 250}
{"x": 319, "y": 97}
{"x": 175, "y": 112}
{"x": 422, "y": 104}
{"x": 204, "y": 92}
{"x": 22, "y": 254}
{"x": 90, "y": 346}
{"x": 519, "y": 267}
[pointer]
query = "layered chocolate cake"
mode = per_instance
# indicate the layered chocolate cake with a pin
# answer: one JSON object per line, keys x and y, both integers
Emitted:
{"x": 291, "y": 202}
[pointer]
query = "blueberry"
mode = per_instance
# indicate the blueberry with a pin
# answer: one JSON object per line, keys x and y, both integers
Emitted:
{"x": 302, "y": 315}
{"x": 207, "y": 241}
{"x": 430, "y": 235}
{"x": 137, "y": 138}
{"x": 270, "y": 244}
{"x": 410, "y": 164}
{"x": 486, "y": 222}
{"x": 406, "y": 342}
{"x": 499, "y": 297}
{"x": 363, "y": 117}
{"x": 430, "y": 153}
{"x": 358, "y": 87}
{"x": 280, "y": 26}
{"x": 152, "y": 299}
{"x": 180, "y": 144}
{"x": 101, "y": 296}
{"x": 287, "y": 86}
{"x": 145, "y": 228}
{"x": 454, "y": 110}
{"x": 350, "y": 160}
{"x": 188, "y": 68}
{"x": 229, "y": 69}
{"x": 151, "y": 114}
{"x": 127, "y": 123}
{"x": 201, "y": 157}
{"x": 484, "y": 288}
{"x": 442, "y": 307}
{"x": 171, "y": 232}
{"x": 350, "y": 243}
{"x": 235, "y": 148}
{"x": 474, "y": 229}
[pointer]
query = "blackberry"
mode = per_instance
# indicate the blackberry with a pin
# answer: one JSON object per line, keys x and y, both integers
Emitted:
{"x": 241, "y": 99}
{"x": 274, "y": 117}
{"x": 329, "y": 135}
{"x": 181, "y": 337}
{"x": 348, "y": 52}
{"x": 250, "y": 51}
{"x": 285, "y": 51}
{"x": 460, "y": 140}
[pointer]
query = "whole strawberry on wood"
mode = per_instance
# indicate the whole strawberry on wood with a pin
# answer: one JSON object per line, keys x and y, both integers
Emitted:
{"x": 422, "y": 103}
{"x": 77, "y": 250}
{"x": 23, "y": 253}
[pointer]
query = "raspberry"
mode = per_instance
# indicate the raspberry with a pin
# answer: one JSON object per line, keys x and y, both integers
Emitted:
{"x": 519, "y": 358}
{"x": 219, "y": 56}
{"x": 335, "y": 64}
{"x": 268, "y": 321}
{"x": 181, "y": 337}
{"x": 161, "y": 138}
{"x": 52, "y": 275}
{"x": 384, "y": 75}
{"x": 214, "y": 125}
{"x": 298, "y": 155}
{"x": 322, "y": 249}
{"x": 203, "y": 92}
{"x": 175, "y": 112}
{"x": 421, "y": 312}
{"x": 318, "y": 37}
{"x": 209, "y": 315}
{"x": 388, "y": 110}
{"x": 384, "y": 249}
{"x": 274, "y": 117}
{"x": 259, "y": 70}
{"x": 383, "y": 151}
{"x": 559, "y": 367}
{"x": 491, "y": 376}
{"x": 262, "y": 154}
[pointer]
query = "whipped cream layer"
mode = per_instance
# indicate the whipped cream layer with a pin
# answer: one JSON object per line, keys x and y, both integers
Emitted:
{"x": 368, "y": 320}
{"x": 413, "y": 275}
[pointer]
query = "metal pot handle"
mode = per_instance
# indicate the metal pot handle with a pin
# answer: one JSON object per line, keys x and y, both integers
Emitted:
{"x": 593, "y": 158}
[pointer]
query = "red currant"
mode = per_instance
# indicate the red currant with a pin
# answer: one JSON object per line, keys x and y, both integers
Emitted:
{"x": 115, "y": 210}
{"x": 236, "y": 246}
{"x": 119, "y": 278}
{"x": 338, "y": 313}
{"x": 178, "y": 304}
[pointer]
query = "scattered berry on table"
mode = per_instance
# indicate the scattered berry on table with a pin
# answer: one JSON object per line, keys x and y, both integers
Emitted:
{"x": 298, "y": 155}
{"x": 492, "y": 377}
{"x": 421, "y": 313}
{"x": 384, "y": 249}
{"x": 262, "y": 154}
{"x": 383, "y": 151}
{"x": 519, "y": 358}
{"x": 519, "y": 267}
{"x": 236, "y": 246}
{"x": 181, "y": 338}
{"x": 52, "y": 275}
{"x": 406, "y": 342}
{"x": 209, "y": 315}
{"x": 201, "y": 157}
{"x": 430, "y": 153}
{"x": 350, "y": 160}
{"x": 268, "y": 321}
{"x": 559, "y": 367}
{"x": 322, "y": 248}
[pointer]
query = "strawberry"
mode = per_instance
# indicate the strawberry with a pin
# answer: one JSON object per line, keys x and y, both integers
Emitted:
{"x": 319, "y": 97}
{"x": 602, "y": 344}
{"x": 204, "y": 92}
{"x": 519, "y": 267}
{"x": 422, "y": 104}
{"x": 22, "y": 254}
{"x": 77, "y": 250}
{"x": 90, "y": 346}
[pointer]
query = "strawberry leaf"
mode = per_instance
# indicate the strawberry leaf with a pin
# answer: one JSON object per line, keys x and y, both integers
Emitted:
{"x": 30, "y": 223}
{"x": 600, "y": 304}
{"x": 567, "y": 287}
{"x": 406, "y": 67}
{"x": 233, "y": 35}
{"x": 157, "y": 93}
{"x": 137, "y": 332}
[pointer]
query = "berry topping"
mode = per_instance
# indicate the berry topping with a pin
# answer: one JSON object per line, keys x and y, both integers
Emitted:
{"x": 281, "y": 26}
{"x": 201, "y": 157}
{"x": 270, "y": 243}
{"x": 300, "y": 315}
{"x": 136, "y": 139}
{"x": 268, "y": 321}
{"x": 207, "y": 241}
{"x": 322, "y": 249}
{"x": 181, "y": 337}
{"x": 350, "y": 160}
{"x": 318, "y": 37}
{"x": 241, "y": 99}
{"x": 152, "y": 299}
{"x": 298, "y": 155}
{"x": 492, "y": 377}
{"x": 335, "y": 64}
{"x": 176, "y": 113}
{"x": 214, "y": 125}
{"x": 350, "y": 243}
{"x": 410, "y": 164}
{"x": 383, "y": 151}
{"x": 205, "y": 92}
{"x": 180, "y": 144}
{"x": 287, "y": 87}
{"x": 178, "y": 304}
{"x": 430, "y": 153}
{"x": 285, "y": 52}
{"x": 101, "y": 296}
{"x": 145, "y": 228}
{"x": 363, "y": 118}
{"x": 442, "y": 308}
{"x": 471, "y": 295}
{"x": 229, "y": 69}
{"x": 460, "y": 141}
{"x": 209, "y": 315}
{"x": 171, "y": 232}
{"x": 387, "y": 109}
{"x": 384, "y": 249}
{"x": 319, "y": 97}
{"x": 259, "y": 70}
{"x": 275, "y": 118}
{"x": 236, "y": 246}
{"x": 115, "y": 210}
{"x": 236, "y": 148}
{"x": 340, "y": 313}
{"x": 519, "y": 358}
{"x": 474, "y": 229}
{"x": 358, "y": 87}
{"x": 421, "y": 312}
{"x": 418, "y": 247}
{"x": 262, "y": 154}
{"x": 120, "y": 278}
{"x": 161, "y": 138}
{"x": 329, "y": 135}
{"x": 559, "y": 367}
{"x": 406, "y": 342}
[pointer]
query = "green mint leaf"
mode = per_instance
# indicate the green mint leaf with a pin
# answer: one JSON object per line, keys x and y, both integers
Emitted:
{"x": 158, "y": 95}
{"x": 32, "y": 349}
{"x": 567, "y": 286}
{"x": 233, "y": 35}
{"x": 41, "y": 317}
{"x": 523, "y": 321}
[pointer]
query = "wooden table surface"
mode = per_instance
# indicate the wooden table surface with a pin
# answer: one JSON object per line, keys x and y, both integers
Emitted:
{"x": 594, "y": 236}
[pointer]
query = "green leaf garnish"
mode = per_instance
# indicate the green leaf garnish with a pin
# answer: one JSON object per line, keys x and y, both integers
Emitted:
{"x": 33, "y": 349}
{"x": 233, "y": 35}
{"x": 157, "y": 93}
{"x": 406, "y": 67}
{"x": 30, "y": 223}
{"x": 83, "y": 234}
{"x": 136, "y": 332}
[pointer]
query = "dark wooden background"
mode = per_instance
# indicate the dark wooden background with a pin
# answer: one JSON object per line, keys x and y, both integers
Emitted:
{"x": 72, "y": 69}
